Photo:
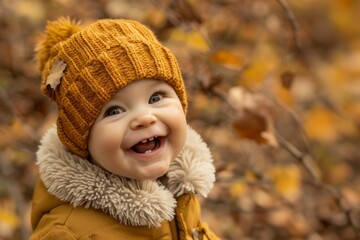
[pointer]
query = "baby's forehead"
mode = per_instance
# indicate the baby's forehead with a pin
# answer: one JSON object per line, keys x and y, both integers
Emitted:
{"x": 149, "y": 83}
{"x": 138, "y": 88}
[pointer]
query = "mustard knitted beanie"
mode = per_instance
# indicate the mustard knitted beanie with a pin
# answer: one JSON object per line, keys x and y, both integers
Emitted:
{"x": 84, "y": 67}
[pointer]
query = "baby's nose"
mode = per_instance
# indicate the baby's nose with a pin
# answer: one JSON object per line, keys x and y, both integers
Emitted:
{"x": 143, "y": 121}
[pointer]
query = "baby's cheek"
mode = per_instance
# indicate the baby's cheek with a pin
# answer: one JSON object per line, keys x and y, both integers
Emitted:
{"x": 109, "y": 142}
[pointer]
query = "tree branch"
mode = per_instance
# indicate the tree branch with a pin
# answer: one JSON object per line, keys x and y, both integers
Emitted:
{"x": 294, "y": 25}
{"x": 333, "y": 192}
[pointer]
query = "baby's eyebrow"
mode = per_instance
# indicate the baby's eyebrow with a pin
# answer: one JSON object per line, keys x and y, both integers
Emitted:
{"x": 162, "y": 84}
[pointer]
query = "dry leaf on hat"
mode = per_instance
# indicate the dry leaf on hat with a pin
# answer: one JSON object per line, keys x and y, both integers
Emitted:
{"x": 56, "y": 73}
{"x": 254, "y": 116}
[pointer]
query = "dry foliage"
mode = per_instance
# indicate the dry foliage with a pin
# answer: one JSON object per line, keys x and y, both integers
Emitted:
{"x": 274, "y": 88}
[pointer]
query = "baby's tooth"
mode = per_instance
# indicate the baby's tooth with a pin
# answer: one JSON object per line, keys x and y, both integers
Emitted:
{"x": 144, "y": 141}
{"x": 148, "y": 151}
{"x": 150, "y": 139}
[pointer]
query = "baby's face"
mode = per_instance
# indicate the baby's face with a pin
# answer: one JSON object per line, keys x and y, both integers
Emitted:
{"x": 139, "y": 131}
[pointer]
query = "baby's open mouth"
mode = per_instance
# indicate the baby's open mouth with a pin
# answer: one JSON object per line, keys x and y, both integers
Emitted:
{"x": 147, "y": 145}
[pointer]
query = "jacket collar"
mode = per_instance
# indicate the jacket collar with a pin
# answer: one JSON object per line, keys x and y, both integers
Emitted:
{"x": 132, "y": 202}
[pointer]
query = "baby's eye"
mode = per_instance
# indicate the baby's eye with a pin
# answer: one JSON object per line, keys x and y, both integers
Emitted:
{"x": 157, "y": 96}
{"x": 113, "y": 110}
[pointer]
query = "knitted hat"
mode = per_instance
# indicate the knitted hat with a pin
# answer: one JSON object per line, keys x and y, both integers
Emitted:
{"x": 83, "y": 68}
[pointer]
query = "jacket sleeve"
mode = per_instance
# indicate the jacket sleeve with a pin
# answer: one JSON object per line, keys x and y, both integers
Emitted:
{"x": 188, "y": 216}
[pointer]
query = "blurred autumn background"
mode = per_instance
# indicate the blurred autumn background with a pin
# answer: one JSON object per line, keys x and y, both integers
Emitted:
{"x": 274, "y": 88}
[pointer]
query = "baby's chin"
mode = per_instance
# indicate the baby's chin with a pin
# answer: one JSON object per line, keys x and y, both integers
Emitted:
{"x": 154, "y": 174}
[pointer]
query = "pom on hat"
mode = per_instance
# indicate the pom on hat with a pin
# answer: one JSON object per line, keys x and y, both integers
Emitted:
{"x": 84, "y": 67}
{"x": 56, "y": 31}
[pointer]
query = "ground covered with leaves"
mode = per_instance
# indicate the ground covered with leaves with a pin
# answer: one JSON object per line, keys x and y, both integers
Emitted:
{"x": 274, "y": 89}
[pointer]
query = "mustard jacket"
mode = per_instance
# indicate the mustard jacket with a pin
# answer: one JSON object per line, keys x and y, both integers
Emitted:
{"x": 74, "y": 199}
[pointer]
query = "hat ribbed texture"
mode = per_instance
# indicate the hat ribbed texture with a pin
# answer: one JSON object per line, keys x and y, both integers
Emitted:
{"x": 100, "y": 59}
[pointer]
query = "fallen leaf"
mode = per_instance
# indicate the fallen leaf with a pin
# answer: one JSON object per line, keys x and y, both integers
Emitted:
{"x": 320, "y": 124}
{"x": 351, "y": 198}
{"x": 344, "y": 16}
{"x": 254, "y": 117}
{"x": 339, "y": 173}
{"x": 280, "y": 217}
{"x": 9, "y": 221}
{"x": 227, "y": 59}
{"x": 263, "y": 199}
{"x": 238, "y": 188}
{"x": 263, "y": 62}
{"x": 192, "y": 38}
{"x": 56, "y": 73}
{"x": 156, "y": 17}
{"x": 287, "y": 181}
{"x": 287, "y": 78}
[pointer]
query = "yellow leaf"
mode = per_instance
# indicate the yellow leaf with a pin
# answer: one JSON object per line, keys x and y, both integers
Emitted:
{"x": 8, "y": 218}
{"x": 226, "y": 58}
{"x": 264, "y": 61}
{"x": 256, "y": 73}
{"x": 344, "y": 16}
{"x": 238, "y": 189}
{"x": 320, "y": 124}
{"x": 9, "y": 221}
{"x": 287, "y": 181}
{"x": 193, "y": 39}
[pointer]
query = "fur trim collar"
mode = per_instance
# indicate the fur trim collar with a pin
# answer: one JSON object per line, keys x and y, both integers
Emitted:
{"x": 132, "y": 202}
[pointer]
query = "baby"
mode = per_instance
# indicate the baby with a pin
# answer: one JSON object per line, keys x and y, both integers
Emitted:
{"x": 121, "y": 162}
